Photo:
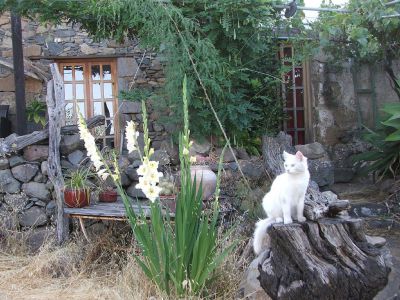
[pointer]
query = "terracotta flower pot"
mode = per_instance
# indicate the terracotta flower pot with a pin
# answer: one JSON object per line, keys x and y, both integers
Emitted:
{"x": 108, "y": 196}
{"x": 206, "y": 177}
{"x": 76, "y": 198}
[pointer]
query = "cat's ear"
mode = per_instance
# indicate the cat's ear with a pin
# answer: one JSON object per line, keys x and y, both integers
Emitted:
{"x": 285, "y": 155}
{"x": 300, "y": 156}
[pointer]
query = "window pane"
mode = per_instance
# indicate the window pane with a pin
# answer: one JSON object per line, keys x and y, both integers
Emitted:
{"x": 69, "y": 113}
{"x": 289, "y": 98}
{"x": 96, "y": 72}
{"x": 97, "y": 111}
{"x": 108, "y": 93}
{"x": 300, "y": 119}
{"x": 298, "y": 74}
{"x": 290, "y": 121}
{"x": 67, "y": 70}
{"x": 110, "y": 142}
{"x": 108, "y": 109}
{"x": 81, "y": 108}
{"x": 106, "y": 72}
{"x": 96, "y": 90}
{"x": 109, "y": 127}
{"x": 68, "y": 91}
{"x": 79, "y": 91}
{"x": 301, "y": 137}
{"x": 287, "y": 52}
{"x": 299, "y": 98}
{"x": 78, "y": 73}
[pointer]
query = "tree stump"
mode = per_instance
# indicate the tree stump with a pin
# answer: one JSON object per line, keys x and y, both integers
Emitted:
{"x": 326, "y": 257}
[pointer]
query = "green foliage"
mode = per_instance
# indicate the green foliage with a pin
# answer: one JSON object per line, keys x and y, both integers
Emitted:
{"x": 78, "y": 179}
{"x": 183, "y": 257}
{"x": 35, "y": 111}
{"x": 385, "y": 156}
{"x": 231, "y": 42}
{"x": 362, "y": 35}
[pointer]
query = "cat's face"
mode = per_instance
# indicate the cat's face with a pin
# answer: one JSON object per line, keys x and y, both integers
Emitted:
{"x": 295, "y": 164}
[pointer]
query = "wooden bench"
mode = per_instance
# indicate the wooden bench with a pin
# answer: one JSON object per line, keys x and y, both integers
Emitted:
{"x": 114, "y": 211}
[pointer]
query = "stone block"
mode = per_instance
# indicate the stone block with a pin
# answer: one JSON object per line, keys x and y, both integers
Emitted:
{"x": 203, "y": 147}
{"x": 44, "y": 168}
{"x": 86, "y": 49}
{"x": 36, "y": 153}
{"x": 54, "y": 48}
{"x": 32, "y": 50}
{"x": 126, "y": 66}
{"x": 35, "y": 216}
{"x": 321, "y": 171}
{"x": 162, "y": 157}
{"x": 25, "y": 173}
{"x": 4, "y": 164}
{"x": 16, "y": 201}
{"x": 131, "y": 107}
{"x": 228, "y": 156}
{"x": 7, "y": 84}
{"x": 16, "y": 161}
{"x": 36, "y": 190}
{"x": 76, "y": 157}
{"x": 312, "y": 151}
{"x": 8, "y": 184}
{"x": 133, "y": 192}
{"x": 70, "y": 143}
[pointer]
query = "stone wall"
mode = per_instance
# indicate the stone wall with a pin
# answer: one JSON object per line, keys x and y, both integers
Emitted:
{"x": 43, "y": 45}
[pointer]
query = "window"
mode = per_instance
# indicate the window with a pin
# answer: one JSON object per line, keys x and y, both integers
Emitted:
{"x": 295, "y": 93}
{"x": 90, "y": 87}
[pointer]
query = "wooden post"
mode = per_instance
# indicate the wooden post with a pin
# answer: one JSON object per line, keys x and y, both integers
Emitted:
{"x": 19, "y": 76}
{"x": 56, "y": 110}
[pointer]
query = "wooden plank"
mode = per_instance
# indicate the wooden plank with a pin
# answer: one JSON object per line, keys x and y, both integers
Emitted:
{"x": 19, "y": 76}
{"x": 56, "y": 110}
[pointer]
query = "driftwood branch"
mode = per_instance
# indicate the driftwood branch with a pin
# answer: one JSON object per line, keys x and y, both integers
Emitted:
{"x": 321, "y": 258}
{"x": 14, "y": 143}
{"x": 55, "y": 105}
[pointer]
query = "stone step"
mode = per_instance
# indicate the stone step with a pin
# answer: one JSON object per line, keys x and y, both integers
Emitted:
{"x": 359, "y": 192}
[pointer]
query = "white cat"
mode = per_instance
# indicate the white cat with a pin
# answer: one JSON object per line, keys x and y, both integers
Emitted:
{"x": 285, "y": 200}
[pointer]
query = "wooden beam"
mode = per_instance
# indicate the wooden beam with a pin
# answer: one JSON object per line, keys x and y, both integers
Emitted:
{"x": 19, "y": 76}
{"x": 56, "y": 110}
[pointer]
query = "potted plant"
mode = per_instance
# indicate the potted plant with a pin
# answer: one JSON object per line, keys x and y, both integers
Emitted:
{"x": 36, "y": 115}
{"x": 108, "y": 194}
{"x": 77, "y": 188}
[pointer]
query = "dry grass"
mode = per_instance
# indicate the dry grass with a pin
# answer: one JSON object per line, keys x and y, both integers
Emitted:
{"x": 101, "y": 270}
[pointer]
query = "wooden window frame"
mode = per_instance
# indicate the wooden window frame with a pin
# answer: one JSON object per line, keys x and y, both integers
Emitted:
{"x": 307, "y": 97}
{"x": 88, "y": 92}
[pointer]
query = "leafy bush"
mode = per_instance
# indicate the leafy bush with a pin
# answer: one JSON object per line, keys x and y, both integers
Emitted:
{"x": 385, "y": 156}
{"x": 35, "y": 112}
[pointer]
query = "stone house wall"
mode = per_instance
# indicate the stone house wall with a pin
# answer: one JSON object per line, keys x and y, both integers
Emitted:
{"x": 43, "y": 45}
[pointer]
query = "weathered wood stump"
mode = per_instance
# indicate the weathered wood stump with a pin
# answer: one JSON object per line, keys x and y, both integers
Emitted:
{"x": 326, "y": 257}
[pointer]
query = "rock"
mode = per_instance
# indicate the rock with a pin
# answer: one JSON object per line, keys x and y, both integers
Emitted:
{"x": 76, "y": 157}
{"x": 343, "y": 175}
{"x": 206, "y": 178}
{"x": 40, "y": 203}
{"x": 54, "y": 48}
{"x": 125, "y": 181}
{"x": 250, "y": 287}
{"x": 65, "y": 164}
{"x": 321, "y": 171}
{"x": 32, "y": 50}
{"x": 35, "y": 216}
{"x": 134, "y": 156}
{"x": 25, "y": 173}
{"x": 377, "y": 241}
{"x": 158, "y": 127}
{"x": 127, "y": 66}
{"x": 16, "y": 161}
{"x": 233, "y": 166}
{"x": 201, "y": 148}
{"x": 131, "y": 172}
{"x": 228, "y": 156}
{"x": 123, "y": 162}
{"x": 36, "y": 190}
{"x": 4, "y": 164}
{"x": 38, "y": 238}
{"x": 131, "y": 107}
{"x": 242, "y": 154}
{"x": 40, "y": 178}
{"x": 8, "y": 219}
{"x": 51, "y": 208}
{"x": 16, "y": 201}
{"x": 312, "y": 151}
{"x": 70, "y": 143}
{"x": 172, "y": 150}
{"x": 161, "y": 156}
{"x": 252, "y": 169}
{"x": 36, "y": 153}
{"x": 8, "y": 184}
{"x": 134, "y": 192}
{"x": 86, "y": 49}
{"x": 44, "y": 168}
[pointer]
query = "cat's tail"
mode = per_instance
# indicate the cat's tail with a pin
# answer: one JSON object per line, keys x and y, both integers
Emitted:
{"x": 260, "y": 234}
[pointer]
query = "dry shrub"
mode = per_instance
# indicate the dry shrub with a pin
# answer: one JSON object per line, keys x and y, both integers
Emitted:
{"x": 104, "y": 269}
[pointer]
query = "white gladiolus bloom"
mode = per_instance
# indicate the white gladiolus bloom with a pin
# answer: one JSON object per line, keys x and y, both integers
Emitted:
{"x": 131, "y": 136}
{"x": 193, "y": 159}
{"x": 185, "y": 151}
{"x": 90, "y": 145}
{"x": 152, "y": 192}
{"x": 154, "y": 177}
